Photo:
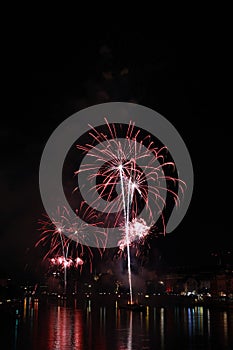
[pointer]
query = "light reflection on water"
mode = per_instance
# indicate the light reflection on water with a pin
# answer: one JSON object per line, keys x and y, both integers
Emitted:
{"x": 60, "y": 326}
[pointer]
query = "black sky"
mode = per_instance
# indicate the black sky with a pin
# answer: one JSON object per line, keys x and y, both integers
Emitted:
{"x": 50, "y": 77}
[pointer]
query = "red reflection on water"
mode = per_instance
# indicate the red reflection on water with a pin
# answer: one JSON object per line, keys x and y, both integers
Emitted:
{"x": 62, "y": 329}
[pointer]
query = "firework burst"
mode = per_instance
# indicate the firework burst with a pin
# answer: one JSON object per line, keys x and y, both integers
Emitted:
{"x": 138, "y": 231}
{"x": 129, "y": 172}
{"x": 133, "y": 176}
{"x": 59, "y": 235}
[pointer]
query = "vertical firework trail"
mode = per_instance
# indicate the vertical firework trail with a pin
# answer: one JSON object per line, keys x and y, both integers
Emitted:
{"x": 65, "y": 255}
{"x": 126, "y": 208}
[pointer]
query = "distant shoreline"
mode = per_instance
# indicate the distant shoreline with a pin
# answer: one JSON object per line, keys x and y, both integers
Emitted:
{"x": 15, "y": 306}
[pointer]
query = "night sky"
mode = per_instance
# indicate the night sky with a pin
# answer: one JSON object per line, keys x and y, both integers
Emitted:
{"x": 50, "y": 77}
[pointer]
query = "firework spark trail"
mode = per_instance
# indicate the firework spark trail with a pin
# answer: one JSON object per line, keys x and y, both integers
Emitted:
{"x": 61, "y": 235}
{"x": 126, "y": 216}
{"x": 58, "y": 242}
{"x": 61, "y": 230}
{"x": 65, "y": 253}
{"x": 122, "y": 160}
{"x": 118, "y": 157}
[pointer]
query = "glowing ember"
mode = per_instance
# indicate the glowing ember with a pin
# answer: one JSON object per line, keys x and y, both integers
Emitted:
{"x": 63, "y": 262}
{"x": 138, "y": 230}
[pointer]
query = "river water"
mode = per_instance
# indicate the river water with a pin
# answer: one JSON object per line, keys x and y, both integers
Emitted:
{"x": 59, "y": 325}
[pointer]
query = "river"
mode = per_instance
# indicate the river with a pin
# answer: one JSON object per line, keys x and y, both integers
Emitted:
{"x": 59, "y": 325}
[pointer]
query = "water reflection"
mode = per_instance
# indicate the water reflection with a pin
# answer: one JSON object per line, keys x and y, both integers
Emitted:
{"x": 129, "y": 342}
{"x": 224, "y": 319}
{"x": 52, "y": 327}
{"x": 65, "y": 329}
{"x": 16, "y": 333}
{"x": 63, "y": 326}
{"x": 162, "y": 327}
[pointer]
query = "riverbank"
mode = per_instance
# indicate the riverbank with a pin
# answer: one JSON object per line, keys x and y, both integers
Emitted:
{"x": 14, "y": 307}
